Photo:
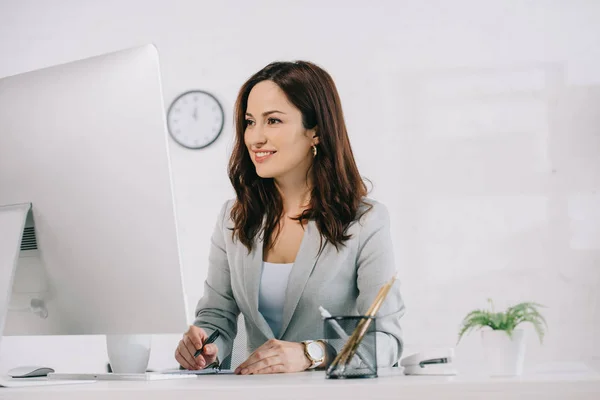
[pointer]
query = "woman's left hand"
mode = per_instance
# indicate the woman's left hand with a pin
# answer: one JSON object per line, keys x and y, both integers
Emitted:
{"x": 275, "y": 356}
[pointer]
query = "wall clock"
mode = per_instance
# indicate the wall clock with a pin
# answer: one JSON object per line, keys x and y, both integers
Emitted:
{"x": 195, "y": 119}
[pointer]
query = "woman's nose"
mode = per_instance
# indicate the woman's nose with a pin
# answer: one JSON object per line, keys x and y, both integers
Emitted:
{"x": 256, "y": 135}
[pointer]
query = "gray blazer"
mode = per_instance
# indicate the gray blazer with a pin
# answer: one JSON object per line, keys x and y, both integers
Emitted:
{"x": 343, "y": 281}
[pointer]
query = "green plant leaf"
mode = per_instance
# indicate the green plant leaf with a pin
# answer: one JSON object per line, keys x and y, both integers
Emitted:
{"x": 496, "y": 320}
{"x": 528, "y": 312}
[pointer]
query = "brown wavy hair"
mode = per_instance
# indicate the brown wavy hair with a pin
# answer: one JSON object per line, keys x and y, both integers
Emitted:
{"x": 338, "y": 189}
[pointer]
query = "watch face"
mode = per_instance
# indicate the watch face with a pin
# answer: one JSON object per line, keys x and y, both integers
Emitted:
{"x": 315, "y": 350}
{"x": 195, "y": 119}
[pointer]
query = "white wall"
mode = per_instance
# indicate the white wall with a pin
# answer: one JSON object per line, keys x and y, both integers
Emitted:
{"x": 476, "y": 121}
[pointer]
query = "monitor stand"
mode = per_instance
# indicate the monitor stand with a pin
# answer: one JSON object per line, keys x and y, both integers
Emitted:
{"x": 12, "y": 224}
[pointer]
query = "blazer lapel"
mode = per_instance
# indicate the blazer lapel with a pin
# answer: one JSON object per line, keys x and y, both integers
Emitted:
{"x": 252, "y": 275}
{"x": 301, "y": 270}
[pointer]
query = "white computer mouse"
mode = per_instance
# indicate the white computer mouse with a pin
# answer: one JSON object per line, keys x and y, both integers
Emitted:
{"x": 29, "y": 371}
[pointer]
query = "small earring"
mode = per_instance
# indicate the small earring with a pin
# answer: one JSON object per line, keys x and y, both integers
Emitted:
{"x": 314, "y": 148}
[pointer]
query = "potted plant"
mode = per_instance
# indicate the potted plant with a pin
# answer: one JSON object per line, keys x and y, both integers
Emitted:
{"x": 504, "y": 343}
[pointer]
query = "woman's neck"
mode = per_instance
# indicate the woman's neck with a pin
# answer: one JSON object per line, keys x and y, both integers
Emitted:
{"x": 295, "y": 195}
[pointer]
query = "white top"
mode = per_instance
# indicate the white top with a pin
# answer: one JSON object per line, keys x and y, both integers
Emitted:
{"x": 271, "y": 295}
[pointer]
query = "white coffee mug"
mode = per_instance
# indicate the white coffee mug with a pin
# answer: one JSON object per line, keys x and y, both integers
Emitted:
{"x": 128, "y": 353}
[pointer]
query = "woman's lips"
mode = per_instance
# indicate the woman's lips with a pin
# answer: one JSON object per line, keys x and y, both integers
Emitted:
{"x": 262, "y": 156}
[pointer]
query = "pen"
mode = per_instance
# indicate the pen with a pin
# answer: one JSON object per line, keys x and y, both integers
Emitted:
{"x": 210, "y": 340}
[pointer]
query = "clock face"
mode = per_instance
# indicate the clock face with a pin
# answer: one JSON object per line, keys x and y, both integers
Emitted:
{"x": 195, "y": 119}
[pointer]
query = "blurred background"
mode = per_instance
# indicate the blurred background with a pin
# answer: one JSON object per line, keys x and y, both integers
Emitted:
{"x": 478, "y": 123}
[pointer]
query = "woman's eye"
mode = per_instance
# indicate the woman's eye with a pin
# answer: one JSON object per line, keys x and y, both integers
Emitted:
{"x": 272, "y": 121}
{"x": 249, "y": 122}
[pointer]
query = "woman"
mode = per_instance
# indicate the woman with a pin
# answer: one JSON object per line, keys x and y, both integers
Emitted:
{"x": 300, "y": 233}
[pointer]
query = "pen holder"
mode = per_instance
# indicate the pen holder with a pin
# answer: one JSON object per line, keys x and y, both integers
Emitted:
{"x": 363, "y": 364}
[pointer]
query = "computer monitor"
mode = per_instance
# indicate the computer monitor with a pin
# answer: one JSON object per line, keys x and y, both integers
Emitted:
{"x": 84, "y": 146}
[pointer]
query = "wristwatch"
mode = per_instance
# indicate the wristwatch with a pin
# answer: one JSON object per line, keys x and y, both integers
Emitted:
{"x": 314, "y": 352}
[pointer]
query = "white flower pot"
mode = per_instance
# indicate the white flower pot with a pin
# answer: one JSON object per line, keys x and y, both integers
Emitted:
{"x": 504, "y": 356}
{"x": 128, "y": 353}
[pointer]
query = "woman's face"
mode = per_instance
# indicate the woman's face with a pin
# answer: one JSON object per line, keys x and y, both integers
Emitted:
{"x": 279, "y": 145}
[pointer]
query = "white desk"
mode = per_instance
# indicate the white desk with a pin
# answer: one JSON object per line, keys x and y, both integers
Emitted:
{"x": 310, "y": 385}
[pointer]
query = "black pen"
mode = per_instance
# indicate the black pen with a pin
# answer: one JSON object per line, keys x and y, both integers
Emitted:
{"x": 210, "y": 340}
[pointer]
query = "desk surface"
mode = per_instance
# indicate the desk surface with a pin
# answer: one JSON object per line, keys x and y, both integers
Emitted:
{"x": 390, "y": 385}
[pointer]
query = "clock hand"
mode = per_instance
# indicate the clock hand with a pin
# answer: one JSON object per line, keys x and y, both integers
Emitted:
{"x": 196, "y": 114}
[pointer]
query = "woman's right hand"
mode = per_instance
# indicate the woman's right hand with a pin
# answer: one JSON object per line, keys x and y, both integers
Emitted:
{"x": 192, "y": 341}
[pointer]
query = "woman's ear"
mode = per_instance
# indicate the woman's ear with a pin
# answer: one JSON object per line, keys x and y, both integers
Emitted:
{"x": 315, "y": 137}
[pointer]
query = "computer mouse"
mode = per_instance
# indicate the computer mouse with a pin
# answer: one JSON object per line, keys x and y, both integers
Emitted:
{"x": 30, "y": 371}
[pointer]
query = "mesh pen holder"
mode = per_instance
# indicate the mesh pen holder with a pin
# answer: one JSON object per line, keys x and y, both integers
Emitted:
{"x": 363, "y": 362}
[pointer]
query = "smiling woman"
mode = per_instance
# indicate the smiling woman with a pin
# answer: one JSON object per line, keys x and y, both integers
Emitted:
{"x": 287, "y": 115}
{"x": 300, "y": 233}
